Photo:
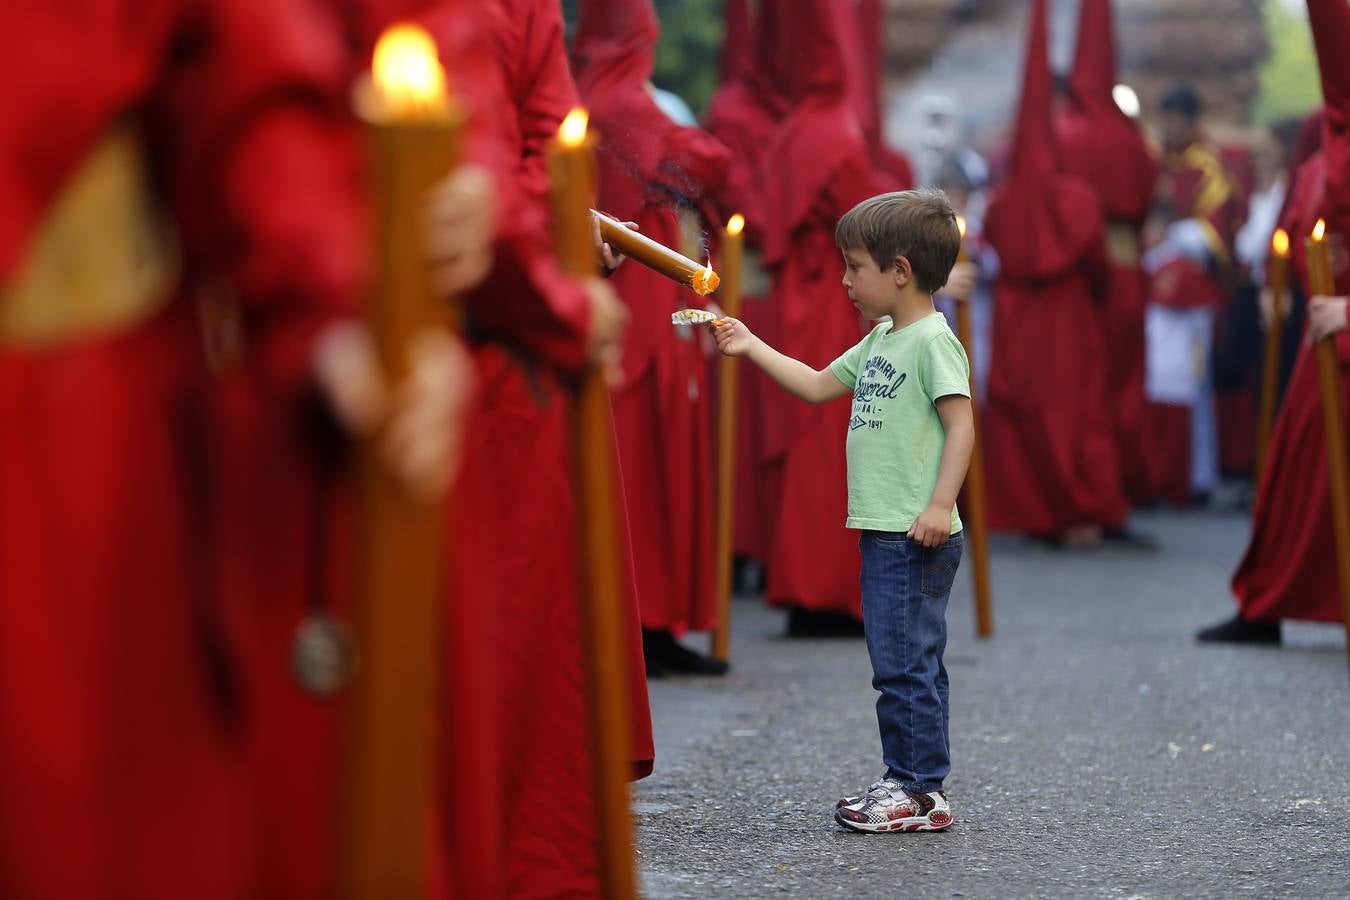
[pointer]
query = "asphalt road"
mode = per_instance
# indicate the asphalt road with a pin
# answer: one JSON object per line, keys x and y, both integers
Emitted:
{"x": 1097, "y": 751}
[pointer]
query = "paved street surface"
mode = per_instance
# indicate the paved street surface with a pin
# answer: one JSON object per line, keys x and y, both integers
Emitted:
{"x": 1097, "y": 751}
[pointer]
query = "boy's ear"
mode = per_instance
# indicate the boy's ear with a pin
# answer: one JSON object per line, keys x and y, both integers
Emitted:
{"x": 902, "y": 271}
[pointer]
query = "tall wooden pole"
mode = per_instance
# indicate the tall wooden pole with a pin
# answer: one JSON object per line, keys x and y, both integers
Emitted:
{"x": 1277, "y": 280}
{"x": 733, "y": 255}
{"x": 391, "y": 745}
{"x": 1329, "y": 378}
{"x": 977, "y": 517}
{"x": 571, "y": 168}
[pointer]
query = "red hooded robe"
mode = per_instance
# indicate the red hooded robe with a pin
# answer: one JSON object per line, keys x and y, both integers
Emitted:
{"x": 1050, "y": 447}
{"x": 1104, "y": 147}
{"x": 819, "y": 167}
{"x": 1289, "y": 569}
{"x": 744, "y": 115}
{"x": 661, "y": 411}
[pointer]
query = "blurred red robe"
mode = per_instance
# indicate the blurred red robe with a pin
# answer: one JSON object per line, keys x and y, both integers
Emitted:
{"x": 818, "y": 168}
{"x": 1105, "y": 148}
{"x": 1050, "y": 446}
{"x": 744, "y": 115}
{"x": 662, "y": 410}
{"x": 124, "y": 775}
{"x": 513, "y": 544}
{"x": 1289, "y": 570}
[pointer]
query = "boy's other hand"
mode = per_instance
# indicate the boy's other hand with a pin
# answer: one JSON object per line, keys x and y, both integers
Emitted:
{"x": 932, "y": 527}
{"x": 733, "y": 338}
{"x": 1326, "y": 316}
{"x": 962, "y": 280}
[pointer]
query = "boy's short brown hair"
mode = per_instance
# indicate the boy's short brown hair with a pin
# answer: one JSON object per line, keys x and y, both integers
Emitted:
{"x": 919, "y": 225}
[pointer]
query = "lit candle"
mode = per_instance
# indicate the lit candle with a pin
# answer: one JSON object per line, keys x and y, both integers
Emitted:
{"x": 1321, "y": 284}
{"x": 1277, "y": 279}
{"x": 572, "y": 171}
{"x": 414, "y": 128}
{"x": 733, "y": 254}
{"x": 595, "y": 476}
{"x": 699, "y": 278}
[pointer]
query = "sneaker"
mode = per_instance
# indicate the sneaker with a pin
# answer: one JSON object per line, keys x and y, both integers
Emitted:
{"x": 889, "y": 807}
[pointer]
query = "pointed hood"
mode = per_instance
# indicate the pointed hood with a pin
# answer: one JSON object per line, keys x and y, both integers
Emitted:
{"x": 1033, "y": 142}
{"x": 614, "y": 45}
{"x": 892, "y": 166}
{"x": 738, "y": 42}
{"x": 1094, "y": 61}
{"x": 821, "y": 132}
{"x": 1097, "y": 141}
{"x": 818, "y": 50}
{"x": 1330, "y": 22}
{"x": 1043, "y": 223}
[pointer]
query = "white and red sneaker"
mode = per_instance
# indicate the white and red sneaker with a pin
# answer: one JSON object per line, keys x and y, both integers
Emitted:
{"x": 887, "y": 806}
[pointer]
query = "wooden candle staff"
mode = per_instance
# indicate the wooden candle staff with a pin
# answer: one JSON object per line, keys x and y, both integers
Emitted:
{"x": 733, "y": 254}
{"x": 571, "y": 169}
{"x": 414, "y": 129}
{"x": 639, "y": 248}
{"x": 1329, "y": 378}
{"x": 976, "y": 518}
{"x": 1277, "y": 280}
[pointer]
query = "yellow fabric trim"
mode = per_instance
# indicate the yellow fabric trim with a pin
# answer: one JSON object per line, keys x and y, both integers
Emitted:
{"x": 102, "y": 258}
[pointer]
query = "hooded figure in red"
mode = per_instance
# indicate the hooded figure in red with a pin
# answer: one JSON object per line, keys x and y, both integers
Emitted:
{"x": 893, "y": 169}
{"x": 1105, "y": 148}
{"x": 744, "y": 115}
{"x": 819, "y": 167}
{"x": 1050, "y": 446}
{"x": 124, "y": 700}
{"x": 513, "y": 545}
{"x": 650, "y": 167}
{"x": 1289, "y": 570}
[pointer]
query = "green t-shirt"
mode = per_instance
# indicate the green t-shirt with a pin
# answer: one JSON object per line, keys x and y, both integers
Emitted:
{"x": 895, "y": 435}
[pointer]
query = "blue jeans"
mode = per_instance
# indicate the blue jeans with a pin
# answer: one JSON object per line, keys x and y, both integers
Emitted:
{"x": 904, "y": 599}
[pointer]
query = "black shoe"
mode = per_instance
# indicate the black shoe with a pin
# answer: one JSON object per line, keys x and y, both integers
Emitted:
{"x": 1125, "y": 539}
{"x": 1238, "y": 630}
{"x": 806, "y": 623}
{"x": 661, "y": 648}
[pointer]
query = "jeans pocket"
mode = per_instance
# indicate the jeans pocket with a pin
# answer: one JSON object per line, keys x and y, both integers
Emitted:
{"x": 939, "y": 566}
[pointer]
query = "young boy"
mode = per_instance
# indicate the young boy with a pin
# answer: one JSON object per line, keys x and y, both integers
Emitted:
{"x": 909, "y": 442}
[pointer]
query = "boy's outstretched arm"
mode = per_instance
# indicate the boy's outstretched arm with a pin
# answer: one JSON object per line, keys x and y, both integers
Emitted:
{"x": 795, "y": 376}
{"x": 934, "y": 524}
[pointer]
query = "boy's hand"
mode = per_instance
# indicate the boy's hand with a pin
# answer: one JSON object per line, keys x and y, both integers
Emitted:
{"x": 962, "y": 280}
{"x": 932, "y": 527}
{"x": 1326, "y": 316}
{"x": 733, "y": 338}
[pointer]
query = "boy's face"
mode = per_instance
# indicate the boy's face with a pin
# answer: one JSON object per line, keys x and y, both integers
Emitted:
{"x": 872, "y": 290}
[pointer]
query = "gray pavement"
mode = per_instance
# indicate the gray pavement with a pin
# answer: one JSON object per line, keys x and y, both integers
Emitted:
{"x": 1097, "y": 751}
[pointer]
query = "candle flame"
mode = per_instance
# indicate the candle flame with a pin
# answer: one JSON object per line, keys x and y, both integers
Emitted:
{"x": 407, "y": 71}
{"x": 1319, "y": 230}
{"x": 736, "y": 224}
{"x": 961, "y": 226}
{"x": 572, "y": 132}
{"x": 1279, "y": 242}
{"x": 706, "y": 281}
